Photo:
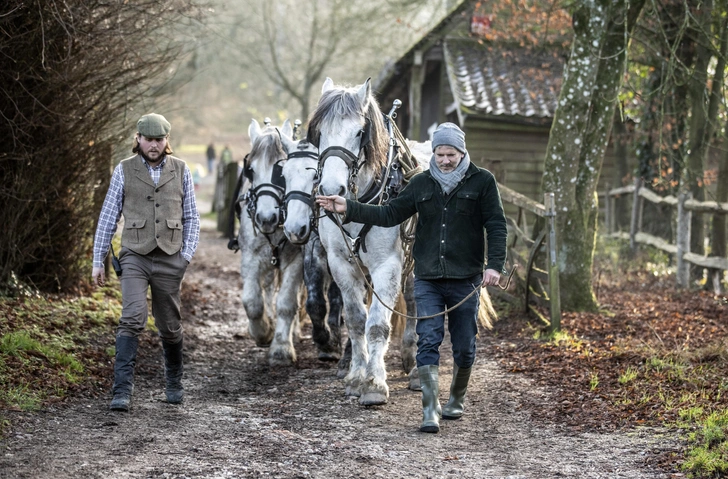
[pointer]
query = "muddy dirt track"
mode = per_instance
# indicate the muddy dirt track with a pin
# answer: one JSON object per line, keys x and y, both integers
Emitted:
{"x": 242, "y": 419}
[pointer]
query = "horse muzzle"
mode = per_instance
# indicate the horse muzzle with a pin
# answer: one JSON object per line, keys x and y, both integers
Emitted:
{"x": 267, "y": 224}
{"x": 298, "y": 235}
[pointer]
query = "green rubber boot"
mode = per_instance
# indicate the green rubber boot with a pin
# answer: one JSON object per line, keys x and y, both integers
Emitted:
{"x": 430, "y": 402}
{"x": 454, "y": 407}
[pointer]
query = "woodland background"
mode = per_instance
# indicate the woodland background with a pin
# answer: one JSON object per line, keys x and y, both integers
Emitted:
{"x": 648, "y": 75}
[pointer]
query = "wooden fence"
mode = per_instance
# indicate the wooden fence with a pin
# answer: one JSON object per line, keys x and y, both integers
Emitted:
{"x": 685, "y": 205}
{"x": 523, "y": 251}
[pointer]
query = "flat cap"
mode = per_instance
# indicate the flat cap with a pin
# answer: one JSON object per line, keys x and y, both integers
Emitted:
{"x": 153, "y": 125}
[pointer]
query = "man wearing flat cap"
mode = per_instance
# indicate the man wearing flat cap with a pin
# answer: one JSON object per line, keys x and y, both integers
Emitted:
{"x": 455, "y": 202}
{"x": 155, "y": 193}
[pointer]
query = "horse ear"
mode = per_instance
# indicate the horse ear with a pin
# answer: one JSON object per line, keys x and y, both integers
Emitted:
{"x": 288, "y": 144}
{"x": 328, "y": 85}
{"x": 287, "y": 129}
{"x": 253, "y": 131}
{"x": 364, "y": 94}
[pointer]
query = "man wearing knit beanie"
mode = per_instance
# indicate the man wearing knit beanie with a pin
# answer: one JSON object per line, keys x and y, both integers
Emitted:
{"x": 456, "y": 203}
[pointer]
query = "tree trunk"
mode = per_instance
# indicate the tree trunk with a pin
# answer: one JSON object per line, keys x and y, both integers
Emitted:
{"x": 620, "y": 138}
{"x": 718, "y": 232}
{"x": 580, "y": 134}
{"x": 718, "y": 238}
{"x": 699, "y": 124}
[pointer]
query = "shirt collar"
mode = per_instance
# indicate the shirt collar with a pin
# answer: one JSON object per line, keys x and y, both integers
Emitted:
{"x": 158, "y": 167}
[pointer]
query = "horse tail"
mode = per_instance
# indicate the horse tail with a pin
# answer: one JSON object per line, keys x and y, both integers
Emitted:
{"x": 486, "y": 312}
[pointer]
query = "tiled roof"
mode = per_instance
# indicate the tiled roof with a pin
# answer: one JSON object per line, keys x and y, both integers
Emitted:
{"x": 504, "y": 81}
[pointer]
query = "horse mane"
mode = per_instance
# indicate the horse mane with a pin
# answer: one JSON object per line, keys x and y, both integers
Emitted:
{"x": 268, "y": 144}
{"x": 342, "y": 102}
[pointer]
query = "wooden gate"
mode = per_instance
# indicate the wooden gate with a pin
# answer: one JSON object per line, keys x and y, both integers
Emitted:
{"x": 540, "y": 282}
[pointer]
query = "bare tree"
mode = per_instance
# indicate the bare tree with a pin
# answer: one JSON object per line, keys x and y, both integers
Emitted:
{"x": 71, "y": 72}
{"x": 292, "y": 45}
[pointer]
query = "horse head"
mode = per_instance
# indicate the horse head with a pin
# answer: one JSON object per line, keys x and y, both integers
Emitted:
{"x": 348, "y": 128}
{"x": 263, "y": 169}
{"x": 299, "y": 172}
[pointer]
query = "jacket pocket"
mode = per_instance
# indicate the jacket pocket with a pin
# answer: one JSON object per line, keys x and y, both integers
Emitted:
{"x": 133, "y": 227}
{"x": 467, "y": 202}
{"x": 176, "y": 227}
{"x": 425, "y": 204}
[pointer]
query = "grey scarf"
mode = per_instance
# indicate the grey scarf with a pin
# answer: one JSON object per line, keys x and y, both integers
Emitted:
{"x": 448, "y": 181}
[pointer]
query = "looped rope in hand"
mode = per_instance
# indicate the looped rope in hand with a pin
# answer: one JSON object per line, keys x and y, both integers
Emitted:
{"x": 371, "y": 287}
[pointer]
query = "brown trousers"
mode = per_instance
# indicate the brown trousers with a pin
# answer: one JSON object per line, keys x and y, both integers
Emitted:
{"x": 163, "y": 273}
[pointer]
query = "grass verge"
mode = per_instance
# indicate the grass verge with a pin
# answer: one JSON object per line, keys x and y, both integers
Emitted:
{"x": 49, "y": 345}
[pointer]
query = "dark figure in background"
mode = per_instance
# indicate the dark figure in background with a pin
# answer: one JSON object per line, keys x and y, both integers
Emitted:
{"x": 210, "y": 158}
{"x": 455, "y": 201}
{"x": 226, "y": 157}
{"x": 154, "y": 191}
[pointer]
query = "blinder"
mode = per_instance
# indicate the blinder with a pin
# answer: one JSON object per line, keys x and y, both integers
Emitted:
{"x": 277, "y": 179}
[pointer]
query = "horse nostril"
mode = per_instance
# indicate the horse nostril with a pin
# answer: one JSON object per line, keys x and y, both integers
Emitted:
{"x": 303, "y": 231}
{"x": 342, "y": 190}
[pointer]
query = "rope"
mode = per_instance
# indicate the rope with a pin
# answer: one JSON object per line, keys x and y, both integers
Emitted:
{"x": 371, "y": 287}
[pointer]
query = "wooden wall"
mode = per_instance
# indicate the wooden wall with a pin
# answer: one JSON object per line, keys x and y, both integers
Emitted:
{"x": 515, "y": 155}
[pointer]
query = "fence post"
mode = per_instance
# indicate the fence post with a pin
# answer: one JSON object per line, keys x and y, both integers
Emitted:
{"x": 683, "y": 239}
{"x": 634, "y": 221}
{"x": 553, "y": 264}
{"x": 607, "y": 211}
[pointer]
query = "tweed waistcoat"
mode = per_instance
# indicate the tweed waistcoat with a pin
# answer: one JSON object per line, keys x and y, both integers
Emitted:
{"x": 153, "y": 213}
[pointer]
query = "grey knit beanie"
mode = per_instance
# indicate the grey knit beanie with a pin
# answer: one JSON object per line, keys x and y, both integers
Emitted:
{"x": 449, "y": 134}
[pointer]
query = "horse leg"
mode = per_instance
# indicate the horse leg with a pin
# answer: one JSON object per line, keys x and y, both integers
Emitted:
{"x": 259, "y": 324}
{"x": 282, "y": 352}
{"x": 326, "y": 338}
{"x": 345, "y": 361}
{"x": 385, "y": 280}
{"x": 409, "y": 338}
{"x": 355, "y": 316}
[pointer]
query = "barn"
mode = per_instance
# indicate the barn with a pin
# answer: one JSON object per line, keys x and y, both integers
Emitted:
{"x": 502, "y": 95}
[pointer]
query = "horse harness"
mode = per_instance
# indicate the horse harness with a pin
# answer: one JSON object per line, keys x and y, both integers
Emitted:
{"x": 386, "y": 186}
{"x": 274, "y": 189}
{"x": 306, "y": 197}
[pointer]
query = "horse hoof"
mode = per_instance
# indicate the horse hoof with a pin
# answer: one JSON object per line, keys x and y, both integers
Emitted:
{"x": 373, "y": 399}
{"x": 414, "y": 384}
{"x": 341, "y": 373}
{"x": 328, "y": 356}
{"x": 351, "y": 391}
{"x": 281, "y": 360}
{"x": 261, "y": 344}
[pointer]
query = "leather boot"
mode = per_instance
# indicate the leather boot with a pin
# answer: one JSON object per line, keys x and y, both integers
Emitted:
{"x": 173, "y": 372}
{"x": 126, "y": 351}
{"x": 454, "y": 407}
{"x": 430, "y": 402}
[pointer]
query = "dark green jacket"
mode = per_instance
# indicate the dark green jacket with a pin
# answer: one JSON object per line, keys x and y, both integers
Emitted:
{"x": 449, "y": 242}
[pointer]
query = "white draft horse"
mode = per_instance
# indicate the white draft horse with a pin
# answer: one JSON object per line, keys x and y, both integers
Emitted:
{"x": 323, "y": 298}
{"x": 271, "y": 267}
{"x": 348, "y": 128}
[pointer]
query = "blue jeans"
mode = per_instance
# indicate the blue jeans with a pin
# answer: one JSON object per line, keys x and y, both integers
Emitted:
{"x": 433, "y": 296}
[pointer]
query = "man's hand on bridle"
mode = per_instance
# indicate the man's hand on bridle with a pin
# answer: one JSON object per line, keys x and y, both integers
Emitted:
{"x": 336, "y": 204}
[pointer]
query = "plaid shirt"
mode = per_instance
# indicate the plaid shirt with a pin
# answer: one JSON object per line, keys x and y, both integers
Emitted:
{"x": 111, "y": 212}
